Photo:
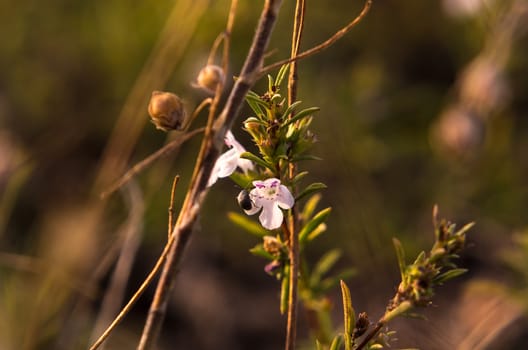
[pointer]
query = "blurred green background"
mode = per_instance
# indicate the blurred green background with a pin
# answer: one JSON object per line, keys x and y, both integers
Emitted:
{"x": 423, "y": 103}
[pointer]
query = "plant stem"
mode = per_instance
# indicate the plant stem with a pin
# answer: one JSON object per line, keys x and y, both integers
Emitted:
{"x": 324, "y": 45}
{"x": 293, "y": 300}
{"x": 209, "y": 152}
{"x": 370, "y": 335}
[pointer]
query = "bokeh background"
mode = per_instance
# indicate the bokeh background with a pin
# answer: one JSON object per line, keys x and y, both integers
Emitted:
{"x": 423, "y": 103}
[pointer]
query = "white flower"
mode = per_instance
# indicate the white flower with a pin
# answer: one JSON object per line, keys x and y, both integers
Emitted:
{"x": 227, "y": 163}
{"x": 270, "y": 196}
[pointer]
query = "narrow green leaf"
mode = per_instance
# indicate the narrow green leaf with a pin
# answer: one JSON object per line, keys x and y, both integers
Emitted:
{"x": 348, "y": 314}
{"x": 258, "y": 160}
{"x": 401, "y": 309}
{"x": 258, "y": 250}
{"x": 420, "y": 258}
{"x": 310, "y": 206}
{"x": 312, "y": 188}
{"x": 241, "y": 179}
{"x": 446, "y": 276}
{"x": 329, "y": 283}
{"x": 271, "y": 83}
{"x": 281, "y": 74}
{"x": 304, "y": 157}
{"x": 464, "y": 229}
{"x": 290, "y": 109}
{"x": 375, "y": 347}
{"x": 302, "y": 114}
{"x": 319, "y": 218}
{"x": 299, "y": 176}
{"x": 325, "y": 263}
{"x": 285, "y": 290}
{"x": 400, "y": 255}
{"x": 319, "y": 230}
{"x": 336, "y": 342}
{"x": 247, "y": 224}
{"x": 255, "y": 102}
{"x": 318, "y": 345}
{"x": 255, "y": 107}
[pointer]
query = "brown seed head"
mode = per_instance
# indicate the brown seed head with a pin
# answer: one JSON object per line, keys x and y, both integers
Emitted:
{"x": 209, "y": 78}
{"x": 166, "y": 110}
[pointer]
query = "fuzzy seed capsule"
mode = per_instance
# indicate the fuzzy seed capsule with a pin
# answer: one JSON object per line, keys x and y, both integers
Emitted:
{"x": 166, "y": 110}
{"x": 209, "y": 78}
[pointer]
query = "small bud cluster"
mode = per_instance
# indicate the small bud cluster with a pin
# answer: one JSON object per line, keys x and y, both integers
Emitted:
{"x": 430, "y": 270}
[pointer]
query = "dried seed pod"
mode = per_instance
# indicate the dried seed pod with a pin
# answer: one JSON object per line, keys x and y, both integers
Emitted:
{"x": 166, "y": 110}
{"x": 209, "y": 78}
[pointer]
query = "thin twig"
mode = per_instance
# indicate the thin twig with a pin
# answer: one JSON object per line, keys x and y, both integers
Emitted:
{"x": 114, "y": 294}
{"x": 326, "y": 44}
{"x": 171, "y": 206}
{"x": 293, "y": 300}
{"x": 210, "y": 151}
{"x": 142, "y": 165}
{"x": 159, "y": 263}
{"x": 371, "y": 335}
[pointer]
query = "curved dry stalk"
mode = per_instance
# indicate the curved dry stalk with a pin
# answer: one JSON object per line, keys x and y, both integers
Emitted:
{"x": 326, "y": 44}
{"x": 159, "y": 263}
{"x": 171, "y": 206}
{"x": 142, "y": 165}
{"x": 211, "y": 146}
{"x": 114, "y": 294}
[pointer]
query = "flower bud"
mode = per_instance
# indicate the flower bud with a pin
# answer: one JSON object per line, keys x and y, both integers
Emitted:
{"x": 272, "y": 245}
{"x": 166, "y": 110}
{"x": 209, "y": 78}
{"x": 244, "y": 200}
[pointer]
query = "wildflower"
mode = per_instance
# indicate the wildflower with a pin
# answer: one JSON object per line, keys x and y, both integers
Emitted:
{"x": 227, "y": 163}
{"x": 270, "y": 196}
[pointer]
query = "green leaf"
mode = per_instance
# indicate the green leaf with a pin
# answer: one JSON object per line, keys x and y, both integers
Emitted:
{"x": 318, "y": 219}
{"x": 285, "y": 290}
{"x": 302, "y": 114}
{"x": 258, "y": 250}
{"x": 281, "y": 74}
{"x": 299, "y": 176}
{"x": 310, "y": 206}
{"x": 420, "y": 259}
{"x": 329, "y": 283}
{"x": 289, "y": 110}
{"x": 271, "y": 83}
{"x": 464, "y": 229}
{"x": 255, "y": 102}
{"x": 336, "y": 342}
{"x": 375, "y": 347}
{"x": 316, "y": 232}
{"x": 312, "y": 188}
{"x": 247, "y": 224}
{"x": 241, "y": 179}
{"x": 400, "y": 255}
{"x": 300, "y": 157}
{"x": 325, "y": 263}
{"x": 258, "y": 160}
{"x": 349, "y": 315}
{"x": 446, "y": 276}
{"x": 318, "y": 345}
